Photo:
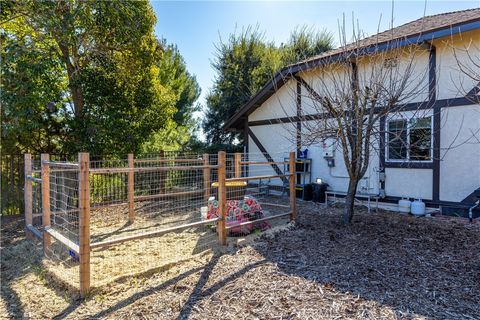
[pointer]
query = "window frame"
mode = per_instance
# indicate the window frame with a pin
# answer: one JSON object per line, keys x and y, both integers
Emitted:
{"x": 407, "y": 160}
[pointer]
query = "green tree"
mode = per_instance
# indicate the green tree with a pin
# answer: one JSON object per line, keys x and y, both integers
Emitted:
{"x": 34, "y": 110}
{"x": 305, "y": 42}
{"x": 180, "y": 129}
{"x": 85, "y": 73}
{"x": 243, "y": 64}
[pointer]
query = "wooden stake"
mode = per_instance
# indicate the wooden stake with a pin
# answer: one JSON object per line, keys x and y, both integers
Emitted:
{"x": 45, "y": 199}
{"x": 222, "y": 199}
{"x": 131, "y": 189}
{"x": 238, "y": 167}
{"x": 28, "y": 194}
{"x": 84, "y": 223}
{"x": 206, "y": 177}
{"x": 293, "y": 193}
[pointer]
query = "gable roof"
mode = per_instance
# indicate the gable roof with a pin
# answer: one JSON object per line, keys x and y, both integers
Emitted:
{"x": 421, "y": 30}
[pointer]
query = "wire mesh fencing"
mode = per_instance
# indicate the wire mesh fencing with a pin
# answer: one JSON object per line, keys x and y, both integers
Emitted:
{"x": 257, "y": 188}
{"x": 107, "y": 219}
{"x": 160, "y": 218}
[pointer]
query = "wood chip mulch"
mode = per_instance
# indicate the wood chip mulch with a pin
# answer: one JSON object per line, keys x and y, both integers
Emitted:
{"x": 382, "y": 266}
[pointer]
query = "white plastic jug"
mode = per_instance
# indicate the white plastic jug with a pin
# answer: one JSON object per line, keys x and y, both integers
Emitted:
{"x": 204, "y": 212}
{"x": 404, "y": 205}
{"x": 418, "y": 207}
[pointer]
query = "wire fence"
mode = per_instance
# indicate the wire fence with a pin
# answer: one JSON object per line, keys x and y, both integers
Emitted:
{"x": 107, "y": 219}
{"x": 11, "y": 178}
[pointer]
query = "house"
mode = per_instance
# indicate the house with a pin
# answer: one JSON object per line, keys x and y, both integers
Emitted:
{"x": 446, "y": 111}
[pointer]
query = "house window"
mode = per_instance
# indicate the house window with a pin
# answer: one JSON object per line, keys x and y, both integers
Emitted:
{"x": 410, "y": 140}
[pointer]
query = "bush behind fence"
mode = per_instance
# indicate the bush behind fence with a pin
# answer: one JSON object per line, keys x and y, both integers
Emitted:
{"x": 105, "y": 188}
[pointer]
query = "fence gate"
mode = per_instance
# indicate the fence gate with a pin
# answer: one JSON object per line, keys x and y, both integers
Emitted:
{"x": 102, "y": 220}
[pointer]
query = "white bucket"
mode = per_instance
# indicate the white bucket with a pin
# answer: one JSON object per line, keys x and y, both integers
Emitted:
{"x": 418, "y": 207}
{"x": 404, "y": 205}
{"x": 204, "y": 213}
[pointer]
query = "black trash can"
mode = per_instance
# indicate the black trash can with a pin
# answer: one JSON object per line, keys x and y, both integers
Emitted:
{"x": 307, "y": 192}
{"x": 319, "y": 192}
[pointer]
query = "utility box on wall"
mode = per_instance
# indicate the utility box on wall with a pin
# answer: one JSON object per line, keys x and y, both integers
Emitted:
{"x": 328, "y": 150}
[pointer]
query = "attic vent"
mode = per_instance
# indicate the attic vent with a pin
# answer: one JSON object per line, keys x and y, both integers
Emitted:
{"x": 390, "y": 63}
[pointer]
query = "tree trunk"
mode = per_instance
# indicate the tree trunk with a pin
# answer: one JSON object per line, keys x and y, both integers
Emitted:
{"x": 75, "y": 90}
{"x": 73, "y": 78}
{"x": 350, "y": 201}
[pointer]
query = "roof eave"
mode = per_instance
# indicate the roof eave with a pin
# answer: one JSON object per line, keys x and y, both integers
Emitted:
{"x": 280, "y": 77}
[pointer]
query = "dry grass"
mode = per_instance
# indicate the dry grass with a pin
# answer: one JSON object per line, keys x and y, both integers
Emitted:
{"x": 383, "y": 266}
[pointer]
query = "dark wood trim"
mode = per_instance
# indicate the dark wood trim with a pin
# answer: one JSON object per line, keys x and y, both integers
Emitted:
{"x": 432, "y": 74}
{"x": 409, "y": 165}
{"x": 283, "y": 120}
{"x": 299, "y": 114}
{"x": 310, "y": 90}
{"x": 382, "y": 143}
{"x": 260, "y": 97}
{"x": 429, "y": 202}
{"x": 266, "y": 154}
{"x": 474, "y": 92}
{"x": 282, "y": 76}
{"x": 437, "y": 110}
{"x": 273, "y": 121}
{"x": 444, "y": 103}
{"x": 246, "y": 138}
{"x": 381, "y": 155}
{"x": 245, "y": 134}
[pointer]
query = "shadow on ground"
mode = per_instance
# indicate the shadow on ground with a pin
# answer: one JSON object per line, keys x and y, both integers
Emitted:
{"x": 414, "y": 265}
{"x": 381, "y": 266}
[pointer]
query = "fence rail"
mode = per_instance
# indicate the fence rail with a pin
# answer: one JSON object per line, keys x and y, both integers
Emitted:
{"x": 180, "y": 187}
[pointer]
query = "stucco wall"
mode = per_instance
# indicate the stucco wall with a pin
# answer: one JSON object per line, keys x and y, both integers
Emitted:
{"x": 451, "y": 81}
{"x": 414, "y": 183}
{"x": 409, "y": 76}
{"x": 277, "y": 140}
{"x": 325, "y": 81}
{"x": 279, "y": 105}
{"x": 459, "y": 167}
{"x": 460, "y": 155}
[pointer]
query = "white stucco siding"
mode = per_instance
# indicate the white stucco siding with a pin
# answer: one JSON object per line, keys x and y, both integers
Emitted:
{"x": 283, "y": 103}
{"x": 277, "y": 139}
{"x": 451, "y": 81}
{"x": 459, "y": 167}
{"x": 337, "y": 177}
{"x": 413, "y": 183}
{"x": 460, "y": 155}
{"x": 326, "y": 81}
{"x": 409, "y": 66}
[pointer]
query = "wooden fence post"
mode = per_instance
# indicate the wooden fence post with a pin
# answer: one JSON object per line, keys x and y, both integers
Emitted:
{"x": 28, "y": 194}
{"x": 163, "y": 175}
{"x": 293, "y": 192}
{"x": 222, "y": 199}
{"x": 238, "y": 166}
{"x": 84, "y": 223}
{"x": 206, "y": 176}
{"x": 131, "y": 188}
{"x": 45, "y": 170}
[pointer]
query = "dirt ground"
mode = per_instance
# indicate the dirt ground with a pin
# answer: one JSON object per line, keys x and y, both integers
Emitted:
{"x": 383, "y": 266}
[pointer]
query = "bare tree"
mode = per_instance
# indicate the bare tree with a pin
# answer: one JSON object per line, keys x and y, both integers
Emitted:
{"x": 468, "y": 62}
{"x": 347, "y": 99}
{"x": 375, "y": 95}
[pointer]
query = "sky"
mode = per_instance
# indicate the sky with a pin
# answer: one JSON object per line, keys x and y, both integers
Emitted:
{"x": 197, "y": 26}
